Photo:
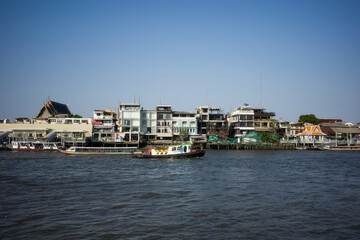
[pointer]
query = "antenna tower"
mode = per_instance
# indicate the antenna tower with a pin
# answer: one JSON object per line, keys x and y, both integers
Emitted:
{"x": 261, "y": 90}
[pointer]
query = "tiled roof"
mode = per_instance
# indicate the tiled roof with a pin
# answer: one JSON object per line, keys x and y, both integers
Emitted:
{"x": 312, "y": 131}
{"x": 328, "y": 130}
{"x": 59, "y": 108}
{"x": 54, "y": 109}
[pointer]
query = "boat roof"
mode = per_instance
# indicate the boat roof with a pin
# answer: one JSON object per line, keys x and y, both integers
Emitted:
{"x": 184, "y": 144}
{"x": 104, "y": 148}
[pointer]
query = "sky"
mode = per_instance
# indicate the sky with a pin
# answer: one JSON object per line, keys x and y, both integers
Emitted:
{"x": 289, "y": 57}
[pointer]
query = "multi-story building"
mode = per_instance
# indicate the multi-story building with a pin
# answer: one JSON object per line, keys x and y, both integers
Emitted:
{"x": 164, "y": 122}
{"x": 295, "y": 129}
{"x": 283, "y": 129}
{"x": 104, "y": 126}
{"x": 52, "y": 123}
{"x": 241, "y": 121}
{"x": 148, "y": 124}
{"x": 211, "y": 119}
{"x": 129, "y": 118}
{"x": 184, "y": 121}
{"x": 263, "y": 121}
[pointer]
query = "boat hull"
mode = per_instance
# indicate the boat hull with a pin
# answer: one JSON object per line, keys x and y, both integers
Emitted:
{"x": 198, "y": 153}
{"x": 341, "y": 148}
{"x": 100, "y": 153}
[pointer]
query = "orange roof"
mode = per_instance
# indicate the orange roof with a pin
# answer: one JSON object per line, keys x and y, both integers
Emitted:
{"x": 312, "y": 131}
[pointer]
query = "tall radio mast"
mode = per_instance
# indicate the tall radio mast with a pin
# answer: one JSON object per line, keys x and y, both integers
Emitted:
{"x": 261, "y": 90}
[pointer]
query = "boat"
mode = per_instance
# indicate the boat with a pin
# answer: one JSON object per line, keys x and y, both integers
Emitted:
{"x": 185, "y": 150}
{"x": 341, "y": 148}
{"x": 101, "y": 151}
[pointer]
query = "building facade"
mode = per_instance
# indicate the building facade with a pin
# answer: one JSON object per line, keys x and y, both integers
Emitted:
{"x": 185, "y": 122}
{"x": 164, "y": 122}
{"x": 148, "y": 124}
{"x": 211, "y": 120}
{"x": 241, "y": 121}
{"x": 129, "y": 119}
{"x": 263, "y": 121}
{"x": 104, "y": 126}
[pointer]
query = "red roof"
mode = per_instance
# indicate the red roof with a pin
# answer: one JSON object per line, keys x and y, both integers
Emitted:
{"x": 328, "y": 130}
{"x": 325, "y": 120}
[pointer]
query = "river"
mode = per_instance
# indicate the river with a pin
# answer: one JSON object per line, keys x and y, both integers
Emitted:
{"x": 224, "y": 195}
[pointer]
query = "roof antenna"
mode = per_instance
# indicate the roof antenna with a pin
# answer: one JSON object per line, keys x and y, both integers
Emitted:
{"x": 261, "y": 90}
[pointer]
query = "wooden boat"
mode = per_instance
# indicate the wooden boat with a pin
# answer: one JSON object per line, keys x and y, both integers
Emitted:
{"x": 174, "y": 151}
{"x": 101, "y": 151}
{"x": 341, "y": 148}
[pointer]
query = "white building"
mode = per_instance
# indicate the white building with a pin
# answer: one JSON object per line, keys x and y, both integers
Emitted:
{"x": 241, "y": 121}
{"x": 164, "y": 122}
{"x": 104, "y": 126}
{"x": 148, "y": 124}
{"x": 184, "y": 121}
{"x": 129, "y": 121}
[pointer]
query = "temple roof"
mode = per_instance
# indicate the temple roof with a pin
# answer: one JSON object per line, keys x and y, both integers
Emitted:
{"x": 52, "y": 109}
{"x": 312, "y": 131}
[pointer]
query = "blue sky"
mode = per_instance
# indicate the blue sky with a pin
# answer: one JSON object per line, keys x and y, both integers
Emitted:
{"x": 93, "y": 54}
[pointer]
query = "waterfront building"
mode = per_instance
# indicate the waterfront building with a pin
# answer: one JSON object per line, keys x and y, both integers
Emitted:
{"x": 164, "y": 122}
{"x": 148, "y": 124}
{"x": 311, "y": 134}
{"x": 104, "y": 126}
{"x": 263, "y": 121}
{"x": 51, "y": 124}
{"x": 283, "y": 128}
{"x": 241, "y": 121}
{"x": 211, "y": 119}
{"x": 69, "y": 121}
{"x": 295, "y": 129}
{"x": 129, "y": 119}
{"x": 185, "y": 121}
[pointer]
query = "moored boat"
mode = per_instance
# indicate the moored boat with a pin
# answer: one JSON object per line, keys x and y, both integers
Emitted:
{"x": 174, "y": 151}
{"x": 101, "y": 151}
{"x": 341, "y": 148}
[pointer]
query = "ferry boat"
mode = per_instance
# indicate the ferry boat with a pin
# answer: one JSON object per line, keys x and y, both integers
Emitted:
{"x": 174, "y": 151}
{"x": 101, "y": 151}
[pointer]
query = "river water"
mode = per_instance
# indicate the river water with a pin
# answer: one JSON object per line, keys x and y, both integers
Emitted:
{"x": 224, "y": 195}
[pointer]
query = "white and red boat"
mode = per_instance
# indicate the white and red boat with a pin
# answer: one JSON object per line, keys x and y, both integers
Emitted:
{"x": 174, "y": 151}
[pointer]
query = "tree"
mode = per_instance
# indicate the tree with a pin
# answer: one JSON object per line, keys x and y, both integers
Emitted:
{"x": 74, "y": 116}
{"x": 309, "y": 118}
{"x": 184, "y": 134}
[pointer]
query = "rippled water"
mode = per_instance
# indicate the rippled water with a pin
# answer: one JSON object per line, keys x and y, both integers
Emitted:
{"x": 224, "y": 195}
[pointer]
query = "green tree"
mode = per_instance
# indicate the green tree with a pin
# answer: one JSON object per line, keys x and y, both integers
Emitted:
{"x": 184, "y": 134}
{"x": 309, "y": 118}
{"x": 74, "y": 116}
